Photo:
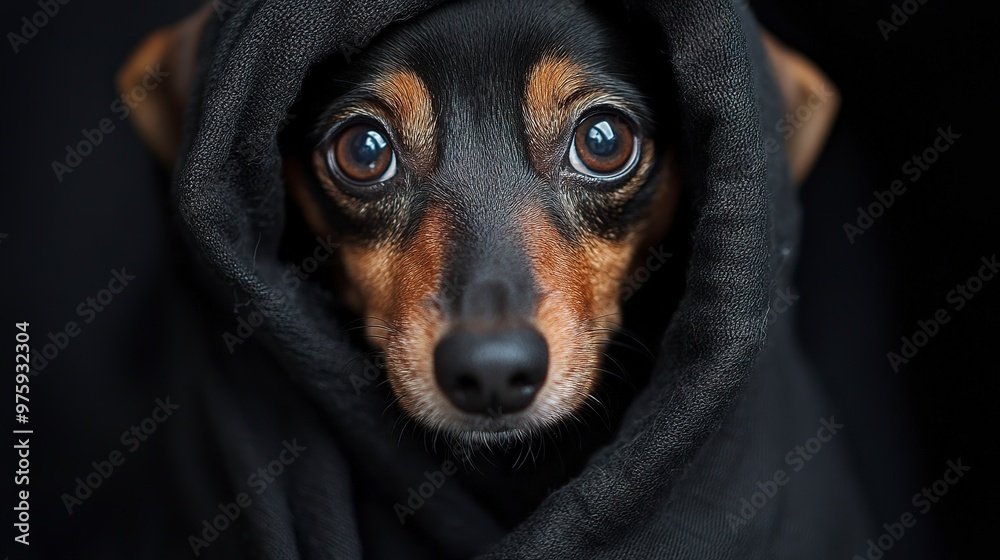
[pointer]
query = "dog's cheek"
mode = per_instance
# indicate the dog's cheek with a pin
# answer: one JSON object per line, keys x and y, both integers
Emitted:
{"x": 398, "y": 285}
{"x": 370, "y": 286}
{"x": 580, "y": 286}
{"x": 572, "y": 357}
{"x": 608, "y": 263}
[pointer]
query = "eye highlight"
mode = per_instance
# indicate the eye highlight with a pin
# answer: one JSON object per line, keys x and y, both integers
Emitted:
{"x": 361, "y": 154}
{"x": 604, "y": 146}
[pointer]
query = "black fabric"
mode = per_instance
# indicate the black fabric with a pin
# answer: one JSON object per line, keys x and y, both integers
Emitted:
{"x": 729, "y": 396}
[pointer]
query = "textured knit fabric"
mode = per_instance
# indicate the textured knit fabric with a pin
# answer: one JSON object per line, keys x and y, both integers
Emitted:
{"x": 729, "y": 398}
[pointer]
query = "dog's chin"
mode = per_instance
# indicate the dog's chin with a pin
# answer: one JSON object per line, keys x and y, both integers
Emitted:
{"x": 505, "y": 430}
{"x": 476, "y": 439}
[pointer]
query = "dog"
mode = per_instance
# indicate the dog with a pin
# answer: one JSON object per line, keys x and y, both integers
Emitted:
{"x": 493, "y": 172}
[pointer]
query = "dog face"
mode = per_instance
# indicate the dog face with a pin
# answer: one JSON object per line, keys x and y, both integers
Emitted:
{"x": 490, "y": 173}
{"x": 490, "y": 170}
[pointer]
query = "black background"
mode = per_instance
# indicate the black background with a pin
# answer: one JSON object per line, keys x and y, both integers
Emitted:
{"x": 857, "y": 300}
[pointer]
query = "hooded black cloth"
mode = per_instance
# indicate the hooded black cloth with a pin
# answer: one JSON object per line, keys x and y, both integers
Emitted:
{"x": 704, "y": 462}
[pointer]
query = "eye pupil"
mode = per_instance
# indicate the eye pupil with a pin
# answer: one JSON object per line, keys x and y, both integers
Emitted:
{"x": 601, "y": 139}
{"x": 362, "y": 154}
{"x": 604, "y": 146}
{"x": 366, "y": 148}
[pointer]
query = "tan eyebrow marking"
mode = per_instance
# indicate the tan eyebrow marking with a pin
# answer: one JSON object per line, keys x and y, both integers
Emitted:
{"x": 408, "y": 99}
{"x": 557, "y": 93}
{"x": 552, "y": 85}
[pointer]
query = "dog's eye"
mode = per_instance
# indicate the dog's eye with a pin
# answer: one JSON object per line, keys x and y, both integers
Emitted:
{"x": 604, "y": 146}
{"x": 361, "y": 153}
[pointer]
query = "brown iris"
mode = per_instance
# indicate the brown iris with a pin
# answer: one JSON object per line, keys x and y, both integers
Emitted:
{"x": 603, "y": 144}
{"x": 361, "y": 153}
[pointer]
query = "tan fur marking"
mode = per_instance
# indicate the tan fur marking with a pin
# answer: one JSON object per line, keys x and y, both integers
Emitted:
{"x": 398, "y": 286}
{"x": 552, "y": 83}
{"x": 580, "y": 292}
{"x": 409, "y": 101}
{"x": 556, "y": 95}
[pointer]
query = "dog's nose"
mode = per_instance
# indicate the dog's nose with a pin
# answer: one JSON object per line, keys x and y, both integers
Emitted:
{"x": 492, "y": 372}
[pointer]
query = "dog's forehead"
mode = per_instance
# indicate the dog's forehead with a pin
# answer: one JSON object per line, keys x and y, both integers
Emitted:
{"x": 478, "y": 56}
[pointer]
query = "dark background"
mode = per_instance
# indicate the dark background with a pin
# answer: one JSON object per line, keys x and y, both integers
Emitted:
{"x": 859, "y": 299}
{"x": 62, "y": 239}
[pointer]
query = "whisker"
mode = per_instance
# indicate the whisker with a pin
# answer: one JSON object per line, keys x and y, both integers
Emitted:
{"x": 365, "y": 356}
{"x": 619, "y": 330}
{"x": 377, "y": 336}
{"x": 388, "y": 406}
{"x": 622, "y": 344}
{"x": 601, "y": 410}
{"x": 403, "y": 430}
{"x": 615, "y": 363}
{"x": 361, "y": 327}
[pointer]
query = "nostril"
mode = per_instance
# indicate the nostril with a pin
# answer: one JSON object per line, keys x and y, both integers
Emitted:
{"x": 493, "y": 370}
{"x": 466, "y": 383}
{"x": 466, "y": 392}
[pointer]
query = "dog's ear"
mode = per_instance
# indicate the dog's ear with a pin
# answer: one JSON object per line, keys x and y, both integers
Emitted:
{"x": 168, "y": 54}
{"x": 811, "y": 104}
